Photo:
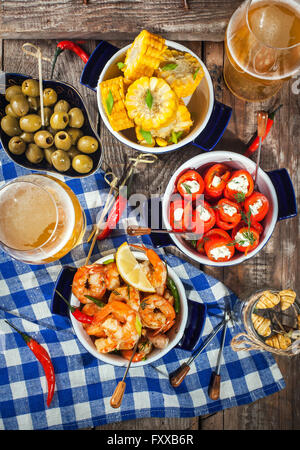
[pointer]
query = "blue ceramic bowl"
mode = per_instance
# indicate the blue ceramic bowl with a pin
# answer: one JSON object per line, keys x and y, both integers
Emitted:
{"x": 64, "y": 92}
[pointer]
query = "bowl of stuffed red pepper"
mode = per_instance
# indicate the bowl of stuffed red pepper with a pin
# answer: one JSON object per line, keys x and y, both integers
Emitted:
{"x": 221, "y": 218}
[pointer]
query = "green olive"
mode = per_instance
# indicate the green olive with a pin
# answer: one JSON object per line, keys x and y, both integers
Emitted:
{"x": 62, "y": 106}
{"x": 16, "y": 145}
{"x": 9, "y": 111}
{"x": 10, "y": 126}
{"x": 47, "y": 115}
{"x": 75, "y": 134}
{"x": 11, "y": 91}
{"x": 59, "y": 120}
{"x": 62, "y": 140}
{"x": 31, "y": 88}
{"x": 72, "y": 152}
{"x": 27, "y": 137}
{"x": 48, "y": 152}
{"x": 76, "y": 118}
{"x": 19, "y": 105}
{"x": 87, "y": 144}
{"x": 34, "y": 103}
{"x": 82, "y": 163}
{"x": 49, "y": 97}
{"x": 61, "y": 160}
{"x": 34, "y": 154}
{"x": 43, "y": 139}
{"x": 30, "y": 123}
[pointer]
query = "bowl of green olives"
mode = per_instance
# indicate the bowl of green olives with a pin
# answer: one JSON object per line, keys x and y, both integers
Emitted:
{"x": 66, "y": 144}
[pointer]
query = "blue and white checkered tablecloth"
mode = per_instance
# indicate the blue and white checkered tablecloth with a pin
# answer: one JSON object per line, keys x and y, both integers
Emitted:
{"x": 84, "y": 385}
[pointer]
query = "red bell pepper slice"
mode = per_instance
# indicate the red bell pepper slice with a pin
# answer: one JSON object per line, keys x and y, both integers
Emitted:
{"x": 216, "y": 242}
{"x": 262, "y": 210}
{"x": 202, "y": 226}
{"x": 217, "y": 170}
{"x": 184, "y": 223}
{"x": 113, "y": 217}
{"x": 237, "y": 194}
{"x": 185, "y": 189}
{"x": 249, "y": 234}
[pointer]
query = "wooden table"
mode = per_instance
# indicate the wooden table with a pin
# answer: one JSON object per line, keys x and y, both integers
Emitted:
{"x": 276, "y": 264}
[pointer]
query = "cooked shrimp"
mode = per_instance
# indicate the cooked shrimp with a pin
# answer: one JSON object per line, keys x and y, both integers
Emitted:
{"x": 112, "y": 277}
{"x": 89, "y": 280}
{"x": 168, "y": 296}
{"x": 118, "y": 321}
{"x": 157, "y": 313}
{"x": 158, "y": 340}
{"x": 155, "y": 269}
{"x": 144, "y": 348}
{"x": 92, "y": 329}
{"x": 126, "y": 294}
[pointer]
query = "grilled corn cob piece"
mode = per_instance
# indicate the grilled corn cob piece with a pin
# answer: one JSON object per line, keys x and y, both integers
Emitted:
{"x": 113, "y": 100}
{"x": 178, "y": 128}
{"x": 181, "y": 70}
{"x": 151, "y": 103}
{"x": 144, "y": 55}
{"x": 279, "y": 341}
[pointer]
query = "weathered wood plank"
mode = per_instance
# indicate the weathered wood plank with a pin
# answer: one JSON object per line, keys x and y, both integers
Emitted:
{"x": 113, "y": 19}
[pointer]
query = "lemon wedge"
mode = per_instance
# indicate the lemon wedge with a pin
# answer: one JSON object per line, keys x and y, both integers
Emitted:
{"x": 130, "y": 270}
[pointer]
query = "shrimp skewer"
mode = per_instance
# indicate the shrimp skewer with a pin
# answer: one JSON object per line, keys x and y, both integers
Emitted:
{"x": 155, "y": 269}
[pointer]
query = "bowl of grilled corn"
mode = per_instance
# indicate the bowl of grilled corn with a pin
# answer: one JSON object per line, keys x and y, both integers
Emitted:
{"x": 155, "y": 94}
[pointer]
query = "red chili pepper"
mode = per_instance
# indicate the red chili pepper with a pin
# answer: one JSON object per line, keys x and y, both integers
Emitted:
{"x": 68, "y": 45}
{"x": 113, "y": 217}
{"x": 79, "y": 315}
{"x": 264, "y": 208}
{"x": 185, "y": 221}
{"x": 201, "y": 225}
{"x": 43, "y": 357}
{"x": 231, "y": 193}
{"x": 255, "y": 144}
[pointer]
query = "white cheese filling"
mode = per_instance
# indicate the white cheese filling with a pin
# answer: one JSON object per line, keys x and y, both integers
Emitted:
{"x": 203, "y": 213}
{"x": 220, "y": 252}
{"x": 255, "y": 207}
{"x": 230, "y": 210}
{"x": 178, "y": 213}
{"x": 239, "y": 184}
{"x": 241, "y": 240}
{"x": 191, "y": 186}
{"x": 216, "y": 181}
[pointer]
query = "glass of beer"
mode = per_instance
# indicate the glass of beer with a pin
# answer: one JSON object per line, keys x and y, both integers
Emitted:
{"x": 41, "y": 219}
{"x": 262, "y": 45}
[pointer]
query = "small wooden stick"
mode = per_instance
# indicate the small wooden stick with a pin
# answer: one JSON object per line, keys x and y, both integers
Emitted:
{"x": 185, "y": 5}
{"x": 118, "y": 394}
{"x": 38, "y": 55}
{"x": 107, "y": 205}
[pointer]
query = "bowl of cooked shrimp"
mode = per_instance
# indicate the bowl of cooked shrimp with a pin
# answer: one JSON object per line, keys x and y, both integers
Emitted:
{"x": 128, "y": 297}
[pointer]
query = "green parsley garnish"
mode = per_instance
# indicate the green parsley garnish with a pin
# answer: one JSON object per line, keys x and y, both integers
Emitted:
{"x": 239, "y": 197}
{"x": 170, "y": 66}
{"x": 109, "y": 102}
{"x": 147, "y": 136}
{"x": 195, "y": 74}
{"x": 176, "y": 136}
{"x": 120, "y": 65}
{"x": 149, "y": 99}
{"x": 187, "y": 188}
